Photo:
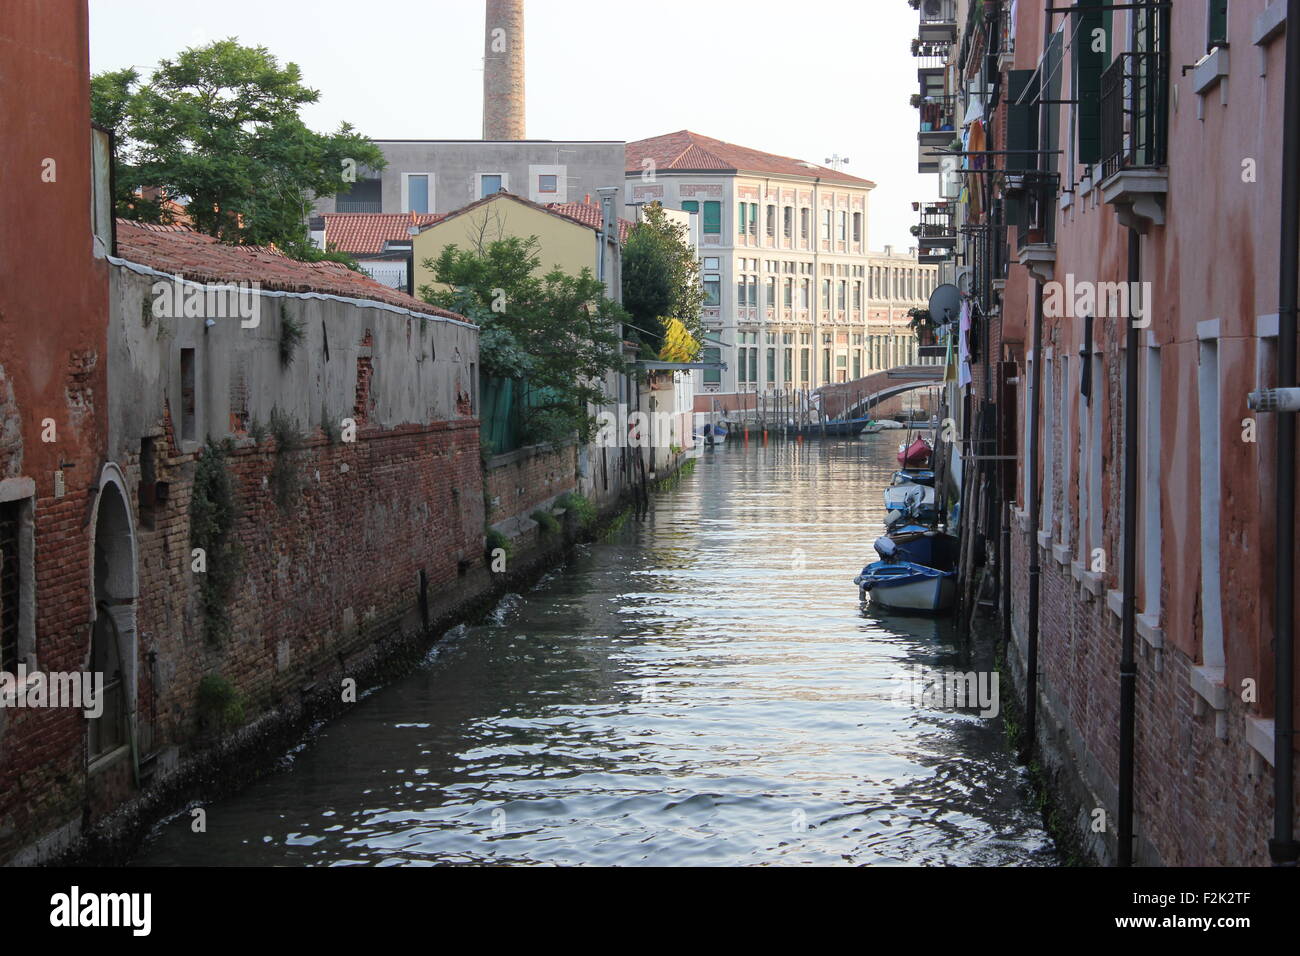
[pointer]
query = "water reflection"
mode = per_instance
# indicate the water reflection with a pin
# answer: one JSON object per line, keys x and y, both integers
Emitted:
{"x": 703, "y": 688}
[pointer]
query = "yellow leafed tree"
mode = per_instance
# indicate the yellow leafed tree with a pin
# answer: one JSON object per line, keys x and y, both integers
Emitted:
{"x": 679, "y": 344}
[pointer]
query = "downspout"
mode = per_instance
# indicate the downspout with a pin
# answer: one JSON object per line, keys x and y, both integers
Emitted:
{"x": 1127, "y": 663}
{"x": 1283, "y": 848}
{"x": 1031, "y": 478}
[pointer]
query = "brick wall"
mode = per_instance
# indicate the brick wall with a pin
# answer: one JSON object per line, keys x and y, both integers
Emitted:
{"x": 520, "y": 482}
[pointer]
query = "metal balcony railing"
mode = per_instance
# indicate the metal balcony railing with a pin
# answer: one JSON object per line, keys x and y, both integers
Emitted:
{"x": 938, "y": 114}
{"x": 1135, "y": 112}
{"x": 937, "y": 228}
{"x": 938, "y": 20}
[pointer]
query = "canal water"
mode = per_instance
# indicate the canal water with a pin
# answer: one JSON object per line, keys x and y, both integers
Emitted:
{"x": 702, "y": 687}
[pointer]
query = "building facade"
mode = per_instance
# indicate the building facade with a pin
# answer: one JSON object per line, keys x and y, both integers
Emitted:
{"x": 441, "y": 176}
{"x": 795, "y": 296}
{"x": 1122, "y": 216}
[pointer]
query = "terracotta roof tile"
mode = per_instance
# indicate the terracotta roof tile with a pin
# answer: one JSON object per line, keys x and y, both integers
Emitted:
{"x": 689, "y": 151}
{"x": 589, "y": 214}
{"x": 366, "y": 233}
{"x": 180, "y": 251}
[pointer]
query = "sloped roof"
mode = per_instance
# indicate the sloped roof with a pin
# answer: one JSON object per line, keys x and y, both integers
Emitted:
{"x": 685, "y": 151}
{"x": 177, "y": 250}
{"x": 590, "y": 214}
{"x": 366, "y": 233}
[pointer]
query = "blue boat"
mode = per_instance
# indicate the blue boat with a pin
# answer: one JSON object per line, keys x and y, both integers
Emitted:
{"x": 934, "y": 549}
{"x": 906, "y": 586}
{"x": 918, "y": 476}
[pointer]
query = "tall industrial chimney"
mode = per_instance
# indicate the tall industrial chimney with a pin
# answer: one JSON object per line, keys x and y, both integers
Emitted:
{"x": 503, "y": 70}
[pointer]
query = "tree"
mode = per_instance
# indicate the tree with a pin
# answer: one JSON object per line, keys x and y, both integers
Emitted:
{"x": 218, "y": 129}
{"x": 661, "y": 279}
{"x": 555, "y": 332}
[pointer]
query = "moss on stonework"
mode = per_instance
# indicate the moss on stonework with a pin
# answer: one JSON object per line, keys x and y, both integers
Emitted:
{"x": 213, "y": 514}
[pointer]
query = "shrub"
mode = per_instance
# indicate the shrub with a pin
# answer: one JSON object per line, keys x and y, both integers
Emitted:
{"x": 546, "y": 521}
{"x": 220, "y": 704}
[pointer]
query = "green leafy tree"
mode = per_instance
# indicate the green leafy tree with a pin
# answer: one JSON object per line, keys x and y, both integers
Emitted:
{"x": 555, "y": 332}
{"x": 661, "y": 279}
{"x": 218, "y": 129}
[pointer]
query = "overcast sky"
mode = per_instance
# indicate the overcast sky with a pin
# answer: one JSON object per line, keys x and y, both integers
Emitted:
{"x": 807, "y": 79}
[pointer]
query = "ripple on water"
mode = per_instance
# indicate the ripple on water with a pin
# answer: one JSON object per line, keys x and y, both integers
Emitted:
{"x": 701, "y": 688}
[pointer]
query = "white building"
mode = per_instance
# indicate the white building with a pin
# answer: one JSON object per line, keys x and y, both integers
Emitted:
{"x": 794, "y": 293}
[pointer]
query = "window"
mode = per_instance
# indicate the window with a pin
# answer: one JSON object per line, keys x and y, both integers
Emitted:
{"x": 489, "y": 184}
{"x": 805, "y": 294}
{"x": 712, "y": 376}
{"x": 16, "y": 617}
{"x": 826, "y": 295}
{"x": 1211, "y": 418}
{"x": 712, "y": 263}
{"x": 857, "y": 227}
{"x": 416, "y": 188}
{"x": 771, "y": 292}
{"x": 857, "y": 363}
{"x": 742, "y": 293}
{"x": 148, "y": 492}
{"x": 805, "y": 219}
{"x": 712, "y": 218}
{"x": 189, "y": 396}
{"x": 548, "y": 183}
{"x": 1216, "y": 28}
{"x": 805, "y": 360}
{"x": 857, "y": 295}
{"x": 771, "y": 366}
{"x": 366, "y": 195}
{"x": 753, "y": 292}
{"x": 826, "y": 366}
{"x": 844, "y": 227}
{"x": 789, "y": 366}
{"x": 788, "y": 224}
{"x": 842, "y": 299}
{"x": 788, "y": 297}
{"x": 753, "y": 219}
{"x": 826, "y": 224}
{"x": 771, "y": 221}
{"x": 712, "y": 291}
{"x": 741, "y": 220}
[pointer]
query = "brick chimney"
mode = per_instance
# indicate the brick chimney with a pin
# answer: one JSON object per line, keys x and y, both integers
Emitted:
{"x": 503, "y": 70}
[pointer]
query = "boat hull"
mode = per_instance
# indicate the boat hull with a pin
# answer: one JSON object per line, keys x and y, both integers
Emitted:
{"x": 908, "y": 587}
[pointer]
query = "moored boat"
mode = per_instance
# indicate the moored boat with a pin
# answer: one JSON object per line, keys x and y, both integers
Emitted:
{"x": 915, "y": 455}
{"x": 906, "y": 586}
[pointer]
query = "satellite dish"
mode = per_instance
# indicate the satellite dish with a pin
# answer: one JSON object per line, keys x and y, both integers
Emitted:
{"x": 945, "y": 304}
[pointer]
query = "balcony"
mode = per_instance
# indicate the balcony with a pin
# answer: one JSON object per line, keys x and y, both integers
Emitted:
{"x": 938, "y": 129}
{"x": 1032, "y": 205}
{"x": 1135, "y": 138}
{"x": 938, "y": 20}
{"x": 937, "y": 228}
{"x": 1006, "y": 41}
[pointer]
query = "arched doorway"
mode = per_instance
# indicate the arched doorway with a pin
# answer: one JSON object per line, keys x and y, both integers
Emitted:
{"x": 113, "y": 634}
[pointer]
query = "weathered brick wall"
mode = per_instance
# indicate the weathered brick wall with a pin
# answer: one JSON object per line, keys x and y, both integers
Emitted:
{"x": 520, "y": 482}
{"x": 318, "y": 579}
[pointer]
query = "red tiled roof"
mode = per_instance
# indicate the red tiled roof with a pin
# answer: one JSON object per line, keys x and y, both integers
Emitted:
{"x": 180, "y": 251}
{"x": 689, "y": 151}
{"x": 365, "y": 233}
{"x": 589, "y": 214}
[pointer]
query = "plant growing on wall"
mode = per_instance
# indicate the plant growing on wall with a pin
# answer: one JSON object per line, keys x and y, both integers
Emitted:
{"x": 284, "y": 480}
{"x": 220, "y": 704}
{"x": 291, "y": 336}
{"x": 212, "y": 524}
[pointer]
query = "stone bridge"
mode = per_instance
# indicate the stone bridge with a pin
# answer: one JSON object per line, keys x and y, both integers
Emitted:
{"x": 861, "y": 396}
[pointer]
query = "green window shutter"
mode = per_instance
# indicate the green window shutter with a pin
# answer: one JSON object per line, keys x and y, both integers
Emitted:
{"x": 690, "y": 205}
{"x": 1216, "y": 33}
{"x": 1022, "y": 118}
{"x": 742, "y": 217}
{"x": 713, "y": 217}
{"x": 1089, "y": 64}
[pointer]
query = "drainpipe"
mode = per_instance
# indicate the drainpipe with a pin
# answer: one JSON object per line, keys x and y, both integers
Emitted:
{"x": 1127, "y": 663}
{"x": 1031, "y": 477}
{"x": 1283, "y": 848}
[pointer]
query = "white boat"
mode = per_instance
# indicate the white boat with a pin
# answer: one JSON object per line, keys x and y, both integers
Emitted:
{"x": 909, "y": 497}
{"x": 889, "y": 423}
{"x": 903, "y": 586}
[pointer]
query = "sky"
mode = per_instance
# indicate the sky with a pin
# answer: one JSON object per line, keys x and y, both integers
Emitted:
{"x": 810, "y": 79}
